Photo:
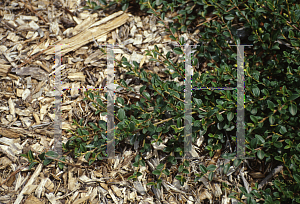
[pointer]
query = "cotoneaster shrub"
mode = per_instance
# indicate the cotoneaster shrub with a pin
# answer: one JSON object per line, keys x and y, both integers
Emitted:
{"x": 272, "y": 74}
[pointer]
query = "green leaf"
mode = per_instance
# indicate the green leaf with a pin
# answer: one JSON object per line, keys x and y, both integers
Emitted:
{"x": 85, "y": 132}
{"x": 52, "y": 154}
{"x": 230, "y": 116}
{"x": 122, "y": 81}
{"x": 293, "y": 109}
{"x": 93, "y": 4}
{"x": 272, "y": 119}
{"x": 278, "y": 144}
{"x": 24, "y": 155}
{"x": 271, "y": 105}
{"x": 131, "y": 177}
{"x": 142, "y": 89}
{"x": 166, "y": 171}
{"x": 135, "y": 164}
{"x": 185, "y": 171}
{"x": 171, "y": 158}
{"x": 30, "y": 155}
{"x": 260, "y": 10}
{"x": 91, "y": 161}
{"x": 183, "y": 28}
{"x": 87, "y": 156}
{"x": 181, "y": 41}
{"x": 180, "y": 169}
{"x": 121, "y": 114}
{"x": 168, "y": 55}
{"x": 93, "y": 125}
{"x": 80, "y": 122}
{"x": 82, "y": 148}
{"x": 79, "y": 131}
{"x": 229, "y": 155}
{"x": 253, "y": 118}
{"x": 47, "y": 161}
{"x": 211, "y": 176}
{"x": 293, "y": 97}
{"x": 229, "y": 17}
{"x": 291, "y": 34}
{"x": 147, "y": 95}
{"x": 173, "y": 30}
{"x": 256, "y": 91}
{"x": 276, "y": 47}
{"x": 219, "y": 117}
{"x": 186, "y": 163}
{"x": 156, "y": 172}
{"x": 278, "y": 158}
{"x": 125, "y": 6}
{"x": 151, "y": 128}
{"x": 159, "y": 129}
{"x": 253, "y": 143}
{"x": 158, "y": 2}
{"x": 135, "y": 64}
{"x": 297, "y": 178}
{"x": 260, "y": 154}
{"x": 227, "y": 34}
{"x": 211, "y": 167}
{"x": 120, "y": 100}
{"x": 178, "y": 177}
{"x": 177, "y": 50}
{"x": 150, "y": 183}
{"x": 254, "y": 111}
{"x": 237, "y": 162}
{"x": 172, "y": 37}
{"x": 197, "y": 101}
{"x": 260, "y": 138}
{"x": 243, "y": 189}
{"x": 131, "y": 126}
{"x": 160, "y": 167}
{"x": 142, "y": 163}
{"x": 60, "y": 164}
{"x": 231, "y": 195}
{"x": 102, "y": 124}
{"x": 91, "y": 95}
{"x": 103, "y": 2}
{"x": 162, "y": 15}
{"x": 42, "y": 156}
{"x": 282, "y": 130}
{"x": 226, "y": 168}
{"x": 178, "y": 149}
{"x": 32, "y": 164}
{"x": 137, "y": 158}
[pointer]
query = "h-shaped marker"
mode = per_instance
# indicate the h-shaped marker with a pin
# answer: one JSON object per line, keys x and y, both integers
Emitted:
{"x": 240, "y": 103}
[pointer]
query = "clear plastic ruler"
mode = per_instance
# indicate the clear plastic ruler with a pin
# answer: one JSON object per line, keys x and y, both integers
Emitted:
{"x": 57, "y": 146}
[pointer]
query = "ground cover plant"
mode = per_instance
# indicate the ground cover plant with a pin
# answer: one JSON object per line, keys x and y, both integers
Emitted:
{"x": 272, "y": 79}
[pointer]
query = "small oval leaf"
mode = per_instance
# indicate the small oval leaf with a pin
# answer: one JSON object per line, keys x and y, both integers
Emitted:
{"x": 121, "y": 114}
{"x": 293, "y": 109}
{"x": 260, "y": 154}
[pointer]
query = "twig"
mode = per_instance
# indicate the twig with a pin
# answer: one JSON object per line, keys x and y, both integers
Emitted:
{"x": 273, "y": 173}
{"x": 217, "y": 16}
{"x": 33, "y": 11}
{"x": 78, "y": 166}
{"x": 206, "y": 21}
{"x": 10, "y": 28}
{"x": 34, "y": 56}
{"x": 14, "y": 173}
{"x": 69, "y": 12}
{"x": 42, "y": 40}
